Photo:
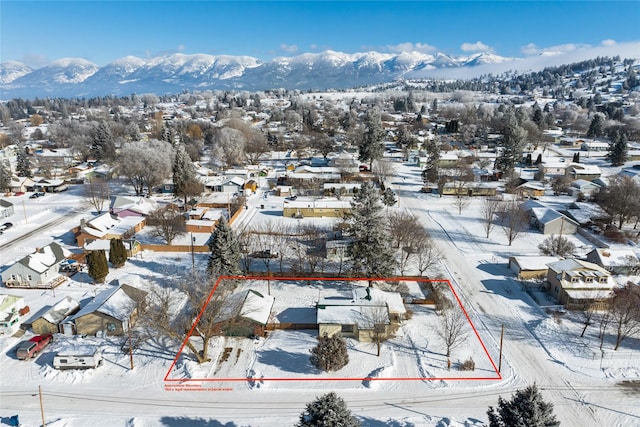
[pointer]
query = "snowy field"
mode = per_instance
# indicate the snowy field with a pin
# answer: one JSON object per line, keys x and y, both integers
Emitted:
{"x": 584, "y": 383}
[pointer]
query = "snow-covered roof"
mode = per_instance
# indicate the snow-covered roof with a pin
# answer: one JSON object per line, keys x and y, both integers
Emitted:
{"x": 257, "y": 307}
{"x": 574, "y": 264}
{"x": 545, "y": 215}
{"x": 357, "y": 307}
{"x": 106, "y": 224}
{"x": 60, "y": 310}
{"x": 615, "y": 257}
{"x": 114, "y": 302}
{"x": 46, "y": 257}
{"x": 585, "y": 169}
{"x": 250, "y": 305}
{"x": 532, "y": 263}
{"x": 319, "y": 204}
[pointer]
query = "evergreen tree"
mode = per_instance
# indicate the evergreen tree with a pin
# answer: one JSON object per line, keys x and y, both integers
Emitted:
{"x": 525, "y": 409}
{"x": 103, "y": 146}
{"x": 514, "y": 140}
{"x": 538, "y": 117}
{"x": 370, "y": 252}
{"x": 184, "y": 174}
{"x": 371, "y": 146}
{"x": 224, "y": 259}
{"x": 330, "y": 354}
{"x": 5, "y": 175}
{"x": 329, "y": 410}
{"x": 97, "y": 264}
{"x": 388, "y": 197}
{"x": 596, "y": 128}
{"x": 117, "y": 253}
{"x": 430, "y": 172}
{"x": 23, "y": 164}
{"x": 618, "y": 149}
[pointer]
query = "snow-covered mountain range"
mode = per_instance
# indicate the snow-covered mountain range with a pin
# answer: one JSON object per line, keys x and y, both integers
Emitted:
{"x": 74, "y": 77}
{"x": 71, "y": 77}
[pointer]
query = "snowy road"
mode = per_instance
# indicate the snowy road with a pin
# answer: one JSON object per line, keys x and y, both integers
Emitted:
{"x": 578, "y": 400}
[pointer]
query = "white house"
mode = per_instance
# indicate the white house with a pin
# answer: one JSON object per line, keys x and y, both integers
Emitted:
{"x": 41, "y": 269}
{"x": 11, "y": 307}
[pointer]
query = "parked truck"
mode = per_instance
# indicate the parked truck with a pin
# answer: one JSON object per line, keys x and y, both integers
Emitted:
{"x": 31, "y": 348}
{"x": 80, "y": 358}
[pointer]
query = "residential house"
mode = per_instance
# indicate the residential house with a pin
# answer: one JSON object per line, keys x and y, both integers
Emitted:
{"x": 244, "y": 314}
{"x": 132, "y": 246}
{"x": 50, "y": 185}
{"x": 112, "y": 312}
{"x": 577, "y": 284}
{"x": 582, "y": 171}
{"x": 582, "y": 186}
{"x": 124, "y": 206}
{"x": 531, "y": 267}
{"x": 200, "y": 225}
{"x": 21, "y": 184}
{"x": 361, "y": 314}
{"x": 106, "y": 227}
{"x": 40, "y": 269}
{"x": 316, "y": 208}
{"x": 530, "y": 189}
{"x": 550, "y": 221}
{"x": 49, "y": 321}
{"x": 585, "y": 213}
{"x": 221, "y": 184}
{"x": 615, "y": 261}
{"x": 12, "y": 307}
{"x": 594, "y": 146}
{"x": 552, "y": 166}
{"x": 6, "y": 208}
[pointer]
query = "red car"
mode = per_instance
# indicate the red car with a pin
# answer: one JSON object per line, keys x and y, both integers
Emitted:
{"x": 30, "y": 349}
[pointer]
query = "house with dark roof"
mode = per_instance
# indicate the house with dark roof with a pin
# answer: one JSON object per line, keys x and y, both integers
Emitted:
{"x": 40, "y": 269}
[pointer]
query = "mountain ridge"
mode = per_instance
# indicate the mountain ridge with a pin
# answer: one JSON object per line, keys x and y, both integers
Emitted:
{"x": 77, "y": 77}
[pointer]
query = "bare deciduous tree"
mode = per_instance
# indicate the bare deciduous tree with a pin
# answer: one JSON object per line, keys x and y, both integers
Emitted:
{"x": 96, "y": 192}
{"x": 625, "y": 312}
{"x": 376, "y": 319}
{"x": 513, "y": 219}
{"x": 194, "y": 312}
{"x": 382, "y": 170}
{"x": 427, "y": 256}
{"x": 166, "y": 223}
{"x": 489, "y": 209}
{"x": 452, "y": 328}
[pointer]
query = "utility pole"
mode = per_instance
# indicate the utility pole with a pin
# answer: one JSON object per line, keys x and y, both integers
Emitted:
{"x": 130, "y": 346}
{"x": 500, "y": 358}
{"x": 193, "y": 260}
{"x": 44, "y": 423}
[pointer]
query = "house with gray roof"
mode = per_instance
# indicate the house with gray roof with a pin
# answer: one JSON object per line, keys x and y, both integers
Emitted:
{"x": 550, "y": 221}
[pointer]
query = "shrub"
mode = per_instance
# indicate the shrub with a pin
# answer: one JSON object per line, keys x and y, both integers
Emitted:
{"x": 468, "y": 365}
{"x": 330, "y": 354}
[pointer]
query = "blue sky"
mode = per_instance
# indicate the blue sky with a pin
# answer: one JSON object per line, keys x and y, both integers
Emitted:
{"x": 36, "y": 32}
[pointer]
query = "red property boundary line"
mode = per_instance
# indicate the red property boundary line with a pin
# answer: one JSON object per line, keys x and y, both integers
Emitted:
{"x": 344, "y": 279}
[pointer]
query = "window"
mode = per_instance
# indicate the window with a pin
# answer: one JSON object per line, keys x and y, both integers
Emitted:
{"x": 588, "y": 279}
{"x": 29, "y": 277}
{"x": 111, "y": 327}
{"x": 347, "y": 329}
{"x": 379, "y": 329}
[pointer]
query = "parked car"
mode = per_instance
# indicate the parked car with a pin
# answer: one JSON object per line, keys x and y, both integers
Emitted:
{"x": 37, "y": 194}
{"x": 19, "y": 193}
{"x": 30, "y": 349}
{"x": 292, "y": 197}
{"x": 265, "y": 254}
{"x": 6, "y": 226}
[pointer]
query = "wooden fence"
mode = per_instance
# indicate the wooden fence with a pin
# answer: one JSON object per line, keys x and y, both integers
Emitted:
{"x": 174, "y": 248}
{"x": 291, "y": 326}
